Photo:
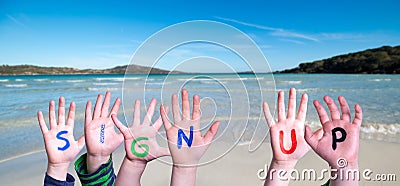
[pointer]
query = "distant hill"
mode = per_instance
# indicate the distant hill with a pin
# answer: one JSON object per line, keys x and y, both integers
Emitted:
{"x": 383, "y": 60}
{"x": 36, "y": 70}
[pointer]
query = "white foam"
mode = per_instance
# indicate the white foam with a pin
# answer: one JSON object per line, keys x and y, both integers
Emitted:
{"x": 102, "y": 89}
{"x": 16, "y": 85}
{"x": 290, "y": 82}
{"x": 40, "y": 80}
{"x": 4, "y": 80}
{"x": 103, "y": 84}
{"x": 109, "y": 79}
{"x": 75, "y": 80}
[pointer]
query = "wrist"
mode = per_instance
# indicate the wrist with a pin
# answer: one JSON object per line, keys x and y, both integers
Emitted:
{"x": 283, "y": 164}
{"x": 93, "y": 162}
{"x": 58, "y": 171}
{"x": 137, "y": 164}
{"x": 347, "y": 165}
{"x": 184, "y": 169}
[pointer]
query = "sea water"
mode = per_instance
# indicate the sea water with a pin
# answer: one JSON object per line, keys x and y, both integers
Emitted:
{"x": 22, "y": 96}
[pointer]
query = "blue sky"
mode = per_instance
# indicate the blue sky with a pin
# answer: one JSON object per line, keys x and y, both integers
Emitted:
{"x": 104, "y": 34}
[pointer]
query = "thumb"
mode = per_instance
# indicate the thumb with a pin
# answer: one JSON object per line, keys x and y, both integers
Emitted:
{"x": 209, "y": 136}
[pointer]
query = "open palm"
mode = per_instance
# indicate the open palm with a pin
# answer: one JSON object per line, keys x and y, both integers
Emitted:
{"x": 321, "y": 141}
{"x": 101, "y": 138}
{"x": 140, "y": 138}
{"x": 287, "y": 136}
{"x": 61, "y": 150}
{"x": 187, "y": 155}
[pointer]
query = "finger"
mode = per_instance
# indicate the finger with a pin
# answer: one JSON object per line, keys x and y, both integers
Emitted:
{"x": 158, "y": 123}
{"x": 345, "y": 109}
{"x": 281, "y": 106}
{"x": 323, "y": 116}
{"x": 209, "y": 136}
{"x": 185, "y": 105}
{"x": 81, "y": 142}
{"x": 292, "y": 103}
{"x": 52, "y": 115}
{"x": 335, "y": 114}
{"x": 313, "y": 138}
{"x": 136, "y": 113}
{"x": 115, "y": 108}
{"x": 164, "y": 116}
{"x": 150, "y": 112}
{"x": 175, "y": 109}
{"x": 302, "y": 113}
{"x": 121, "y": 127}
{"x": 97, "y": 107}
{"x": 42, "y": 123}
{"x": 358, "y": 116}
{"x": 196, "y": 108}
{"x": 71, "y": 114}
{"x": 61, "y": 111}
{"x": 106, "y": 105}
{"x": 88, "y": 112}
{"x": 267, "y": 115}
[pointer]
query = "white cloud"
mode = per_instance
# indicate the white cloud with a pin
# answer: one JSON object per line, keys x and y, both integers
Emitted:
{"x": 275, "y": 31}
{"x": 16, "y": 21}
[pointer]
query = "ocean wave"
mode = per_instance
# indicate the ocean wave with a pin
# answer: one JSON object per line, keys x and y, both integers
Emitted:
{"x": 4, "y": 80}
{"x": 16, "y": 85}
{"x": 40, "y": 80}
{"x": 109, "y": 79}
{"x": 393, "y": 129}
{"x": 102, "y": 89}
{"x": 289, "y": 82}
{"x": 75, "y": 81}
{"x": 19, "y": 80}
{"x": 103, "y": 84}
{"x": 386, "y": 79}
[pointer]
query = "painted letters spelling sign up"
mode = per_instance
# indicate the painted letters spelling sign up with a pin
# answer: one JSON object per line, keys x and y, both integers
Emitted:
{"x": 181, "y": 135}
{"x": 58, "y": 136}
{"x": 142, "y": 146}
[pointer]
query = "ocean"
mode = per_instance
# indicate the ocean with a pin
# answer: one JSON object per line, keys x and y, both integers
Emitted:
{"x": 233, "y": 99}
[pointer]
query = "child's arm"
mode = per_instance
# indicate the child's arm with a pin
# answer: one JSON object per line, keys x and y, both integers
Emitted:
{"x": 101, "y": 140}
{"x": 140, "y": 145}
{"x": 186, "y": 153}
{"x": 61, "y": 147}
{"x": 287, "y": 136}
{"x": 337, "y": 142}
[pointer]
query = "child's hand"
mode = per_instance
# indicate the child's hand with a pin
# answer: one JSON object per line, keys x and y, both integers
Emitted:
{"x": 186, "y": 152}
{"x": 287, "y": 136}
{"x": 101, "y": 138}
{"x": 145, "y": 147}
{"x": 140, "y": 145}
{"x": 61, "y": 147}
{"x": 330, "y": 142}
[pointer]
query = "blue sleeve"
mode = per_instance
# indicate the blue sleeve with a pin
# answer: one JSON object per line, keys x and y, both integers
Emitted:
{"x": 50, "y": 181}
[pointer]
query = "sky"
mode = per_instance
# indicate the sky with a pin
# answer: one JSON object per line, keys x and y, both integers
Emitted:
{"x": 103, "y": 34}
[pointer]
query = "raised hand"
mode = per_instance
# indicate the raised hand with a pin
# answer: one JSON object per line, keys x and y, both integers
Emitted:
{"x": 287, "y": 136}
{"x": 142, "y": 135}
{"x": 338, "y": 139}
{"x": 186, "y": 152}
{"x": 330, "y": 142}
{"x": 61, "y": 147}
{"x": 100, "y": 135}
{"x": 185, "y": 141}
{"x": 140, "y": 145}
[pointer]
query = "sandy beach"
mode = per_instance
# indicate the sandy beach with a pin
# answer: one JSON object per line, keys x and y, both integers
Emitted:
{"x": 238, "y": 167}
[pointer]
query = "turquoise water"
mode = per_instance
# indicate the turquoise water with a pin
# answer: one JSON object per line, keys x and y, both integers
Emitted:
{"x": 22, "y": 96}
